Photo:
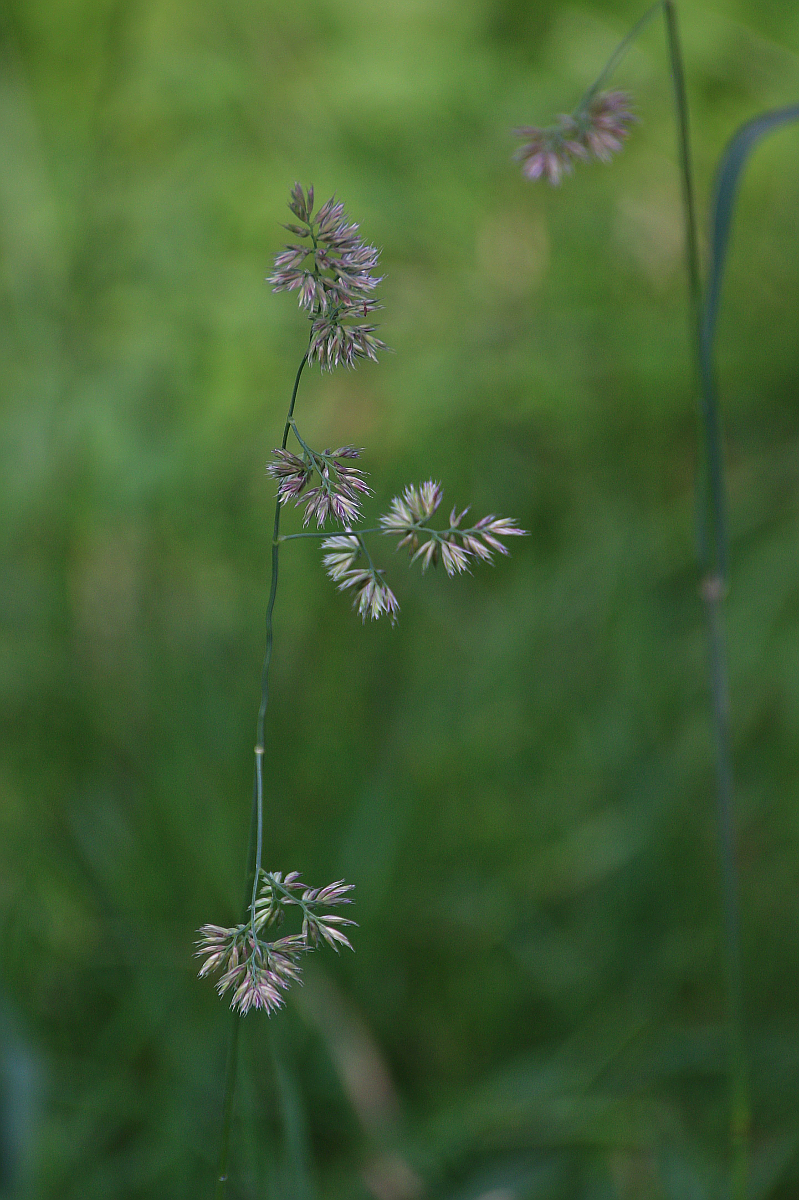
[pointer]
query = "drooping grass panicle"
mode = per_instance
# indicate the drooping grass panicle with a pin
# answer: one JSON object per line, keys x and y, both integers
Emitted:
{"x": 596, "y": 129}
{"x": 371, "y": 594}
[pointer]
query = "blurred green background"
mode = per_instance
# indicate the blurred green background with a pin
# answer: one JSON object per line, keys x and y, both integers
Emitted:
{"x": 518, "y": 779}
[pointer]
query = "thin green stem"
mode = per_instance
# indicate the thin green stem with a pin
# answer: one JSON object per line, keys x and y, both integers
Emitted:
{"x": 618, "y": 55}
{"x": 312, "y": 454}
{"x": 710, "y": 499}
{"x": 740, "y": 1108}
{"x": 713, "y": 561}
{"x": 325, "y": 533}
{"x": 227, "y": 1109}
{"x": 368, "y": 557}
{"x": 232, "y": 1059}
{"x": 416, "y": 527}
{"x": 686, "y": 171}
{"x": 713, "y": 558}
{"x": 256, "y": 823}
{"x": 270, "y": 607}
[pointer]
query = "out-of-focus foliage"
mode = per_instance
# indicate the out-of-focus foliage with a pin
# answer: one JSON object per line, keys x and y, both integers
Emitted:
{"x": 518, "y": 778}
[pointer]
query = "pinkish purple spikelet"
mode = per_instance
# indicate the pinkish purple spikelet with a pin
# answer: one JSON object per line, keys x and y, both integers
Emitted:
{"x": 596, "y": 131}
{"x": 371, "y": 594}
{"x": 606, "y": 124}
{"x": 340, "y": 485}
{"x": 292, "y": 474}
{"x": 550, "y": 153}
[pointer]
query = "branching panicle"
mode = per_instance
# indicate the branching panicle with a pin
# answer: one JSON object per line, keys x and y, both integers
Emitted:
{"x": 258, "y": 971}
{"x": 408, "y": 516}
{"x": 332, "y": 270}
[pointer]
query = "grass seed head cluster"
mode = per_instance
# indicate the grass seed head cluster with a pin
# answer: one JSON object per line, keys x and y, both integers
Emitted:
{"x": 332, "y": 269}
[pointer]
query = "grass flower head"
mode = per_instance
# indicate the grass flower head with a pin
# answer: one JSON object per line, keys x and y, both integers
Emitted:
{"x": 257, "y": 971}
{"x": 596, "y": 130}
{"x": 338, "y": 491}
{"x": 332, "y": 269}
{"x": 408, "y": 516}
{"x": 372, "y": 595}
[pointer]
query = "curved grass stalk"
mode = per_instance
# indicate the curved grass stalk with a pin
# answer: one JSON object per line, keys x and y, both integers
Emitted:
{"x": 549, "y": 153}
{"x": 714, "y": 542}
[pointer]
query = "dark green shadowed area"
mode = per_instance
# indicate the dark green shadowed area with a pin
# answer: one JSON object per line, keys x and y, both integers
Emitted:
{"x": 519, "y": 778}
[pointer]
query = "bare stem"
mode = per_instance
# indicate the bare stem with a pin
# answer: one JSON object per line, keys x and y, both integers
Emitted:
{"x": 325, "y": 533}
{"x": 618, "y": 55}
{"x": 257, "y": 823}
{"x": 270, "y": 607}
{"x": 227, "y": 1108}
{"x": 713, "y": 555}
{"x": 713, "y": 559}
